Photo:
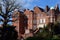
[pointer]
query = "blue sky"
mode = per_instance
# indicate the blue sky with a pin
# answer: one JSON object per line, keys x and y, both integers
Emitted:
{"x": 30, "y": 4}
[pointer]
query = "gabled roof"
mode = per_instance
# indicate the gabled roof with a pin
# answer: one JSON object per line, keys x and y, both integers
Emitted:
{"x": 42, "y": 10}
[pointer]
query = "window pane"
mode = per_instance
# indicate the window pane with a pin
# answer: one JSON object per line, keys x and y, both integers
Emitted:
{"x": 40, "y": 20}
{"x": 43, "y": 20}
{"x": 34, "y": 21}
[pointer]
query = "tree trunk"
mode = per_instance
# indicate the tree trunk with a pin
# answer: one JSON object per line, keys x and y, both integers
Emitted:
{"x": 4, "y": 24}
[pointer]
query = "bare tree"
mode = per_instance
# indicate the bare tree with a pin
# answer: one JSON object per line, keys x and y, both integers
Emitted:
{"x": 10, "y": 6}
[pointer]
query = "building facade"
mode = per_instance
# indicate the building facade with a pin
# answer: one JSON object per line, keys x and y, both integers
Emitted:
{"x": 36, "y": 18}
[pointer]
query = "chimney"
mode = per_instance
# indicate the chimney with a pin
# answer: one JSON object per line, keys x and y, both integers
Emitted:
{"x": 47, "y": 8}
{"x": 57, "y": 7}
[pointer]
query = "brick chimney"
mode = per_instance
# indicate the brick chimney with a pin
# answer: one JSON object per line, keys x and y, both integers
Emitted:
{"x": 56, "y": 11}
{"x": 47, "y": 8}
{"x": 57, "y": 7}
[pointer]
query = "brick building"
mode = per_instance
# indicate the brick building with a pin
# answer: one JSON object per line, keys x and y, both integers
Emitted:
{"x": 36, "y": 18}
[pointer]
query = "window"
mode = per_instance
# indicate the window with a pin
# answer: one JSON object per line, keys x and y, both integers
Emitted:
{"x": 34, "y": 22}
{"x": 27, "y": 31}
{"x": 39, "y": 15}
{"x": 51, "y": 20}
{"x": 29, "y": 21}
{"x": 35, "y": 15}
{"x": 37, "y": 21}
{"x": 27, "y": 15}
{"x": 41, "y": 21}
{"x": 25, "y": 21}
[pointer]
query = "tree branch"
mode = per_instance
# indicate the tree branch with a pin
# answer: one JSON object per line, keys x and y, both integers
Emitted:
{"x": 12, "y": 20}
{"x": 1, "y": 20}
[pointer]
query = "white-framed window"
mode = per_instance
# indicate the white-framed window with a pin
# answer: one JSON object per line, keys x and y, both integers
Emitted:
{"x": 44, "y": 20}
{"x": 27, "y": 31}
{"x": 30, "y": 21}
{"x": 41, "y": 21}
